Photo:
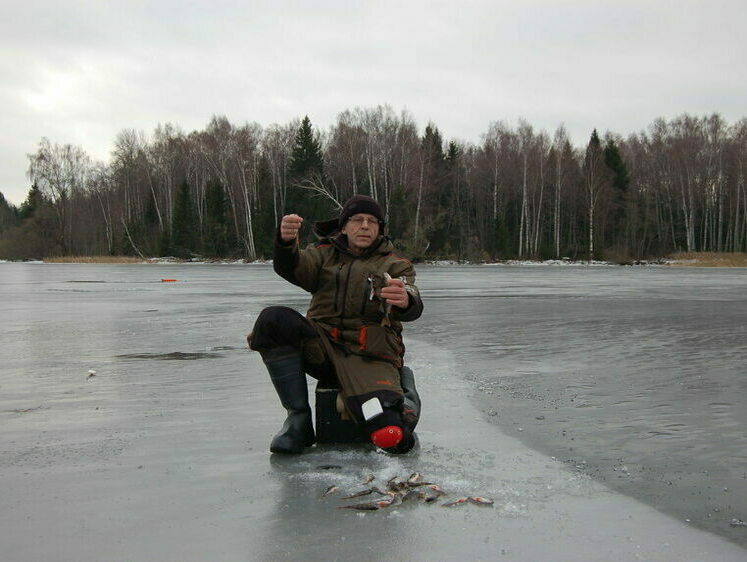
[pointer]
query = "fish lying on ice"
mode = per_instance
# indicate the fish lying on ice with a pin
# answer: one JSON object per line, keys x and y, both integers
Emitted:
{"x": 458, "y": 501}
{"x": 368, "y": 506}
{"x": 400, "y": 490}
{"x": 358, "y": 494}
{"x": 331, "y": 490}
{"x": 480, "y": 500}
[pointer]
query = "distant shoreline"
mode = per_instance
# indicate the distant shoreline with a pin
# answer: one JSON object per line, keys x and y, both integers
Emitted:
{"x": 683, "y": 259}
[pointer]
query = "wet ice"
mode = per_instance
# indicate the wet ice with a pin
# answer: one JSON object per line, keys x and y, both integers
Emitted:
{"x": 618, "y": 361}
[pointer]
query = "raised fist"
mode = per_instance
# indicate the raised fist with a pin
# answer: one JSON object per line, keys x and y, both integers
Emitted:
{"x": 289, "y": 227}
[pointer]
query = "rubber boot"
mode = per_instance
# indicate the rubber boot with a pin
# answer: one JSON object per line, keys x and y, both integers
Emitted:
{"x": 410, "y": 413}
{"x": 289, "y": 379}
{"x": 412, "y": 404}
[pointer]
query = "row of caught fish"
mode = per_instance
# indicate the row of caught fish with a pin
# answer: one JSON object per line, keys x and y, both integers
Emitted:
{"x": 399, "y": 491}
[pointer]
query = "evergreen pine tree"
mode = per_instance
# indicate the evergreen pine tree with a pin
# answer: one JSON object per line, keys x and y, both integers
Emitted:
{"x": 36, "y": 232}
{"x": 432, "y": 142}
{"x": 8, "y": 212}
{"x": 400, "y": 214}
{"x": 307, "y": 165}
{"x": 184, "y": 228}
{"x": 216, "y": 221}
{"x": 306, "y": 158}
{"x": 614, "y": 161}
{"x": 432, "y": 214}
{"x": 620, "y": 183}
{"x": 447, "y": 237}
{"x": 33, "y": 201}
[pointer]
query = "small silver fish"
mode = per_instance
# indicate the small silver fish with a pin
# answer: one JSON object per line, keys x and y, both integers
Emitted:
{"x": 480, "y": 500}
{"x": 371, "y": 506}
{"x": 368, "y": 506}
{"x": 436, "y": 488}
{"x": 414, "y": 477}
{"x": 358, "y": 494}
{"x": 388, "y": 308}
{"x": 421, "y": 483}
{"x": 429, "y": 497}
{"x": 331, "y": 490}
{"x": 459, "y": 501}
{"x": 395, "y": 484}
{"x": 410, "y": 494}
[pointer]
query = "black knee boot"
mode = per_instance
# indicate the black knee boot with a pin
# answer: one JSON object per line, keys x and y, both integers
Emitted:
{"x": 411, "y": 406}
{"x": 289, "y": 379}
{"x": 410, "y": 412}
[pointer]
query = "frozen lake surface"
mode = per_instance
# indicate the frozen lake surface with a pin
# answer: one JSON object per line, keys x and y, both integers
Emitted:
{"x": 636, "y": 376}
{"x": 627, "y": 379}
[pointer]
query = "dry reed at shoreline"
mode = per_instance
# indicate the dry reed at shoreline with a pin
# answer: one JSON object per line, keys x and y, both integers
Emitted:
{"x": 94, "y": 259}
{"x": 680, "y": 259}
{"x": 707, "y": 259}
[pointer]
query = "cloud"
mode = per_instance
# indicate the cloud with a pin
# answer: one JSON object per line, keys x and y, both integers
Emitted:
{"x": 79, "y": 72}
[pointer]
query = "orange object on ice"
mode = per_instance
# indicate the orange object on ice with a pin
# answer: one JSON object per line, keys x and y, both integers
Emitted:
{"x": 168, "y": 280}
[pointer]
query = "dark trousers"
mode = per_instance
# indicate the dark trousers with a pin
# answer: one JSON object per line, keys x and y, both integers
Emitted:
{"x": 280, "y": 331}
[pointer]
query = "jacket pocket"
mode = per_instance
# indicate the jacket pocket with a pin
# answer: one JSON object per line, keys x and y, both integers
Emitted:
{"x": 380, "y": 341}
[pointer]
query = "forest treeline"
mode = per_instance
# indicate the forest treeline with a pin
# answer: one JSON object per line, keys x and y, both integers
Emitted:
{"x": 520, "y": 193}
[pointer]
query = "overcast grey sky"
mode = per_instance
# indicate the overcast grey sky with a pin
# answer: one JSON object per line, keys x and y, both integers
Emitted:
{"x": 79, "y": 72}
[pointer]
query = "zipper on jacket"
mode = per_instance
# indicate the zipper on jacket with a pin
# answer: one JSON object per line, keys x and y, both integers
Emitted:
{"x": 366, "y": 293}
{"x": 345, "y": 289}
{"x": 337, "y": 287}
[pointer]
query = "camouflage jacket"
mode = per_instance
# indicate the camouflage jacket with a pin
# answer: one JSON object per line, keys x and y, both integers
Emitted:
{"x": 345, "y": 290}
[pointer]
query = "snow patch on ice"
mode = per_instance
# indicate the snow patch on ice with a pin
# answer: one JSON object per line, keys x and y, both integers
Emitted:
{"x": 564, "y": 262}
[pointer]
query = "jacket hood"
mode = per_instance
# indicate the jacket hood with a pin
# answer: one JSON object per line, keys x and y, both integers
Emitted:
{"x": 326, "y": 229}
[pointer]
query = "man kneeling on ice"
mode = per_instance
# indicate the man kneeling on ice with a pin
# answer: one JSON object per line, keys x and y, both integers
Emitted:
{"x": 351, "y": 337}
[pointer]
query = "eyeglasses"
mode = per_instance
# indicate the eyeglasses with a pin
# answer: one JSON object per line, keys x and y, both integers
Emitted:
{"x": 358, "y": 221}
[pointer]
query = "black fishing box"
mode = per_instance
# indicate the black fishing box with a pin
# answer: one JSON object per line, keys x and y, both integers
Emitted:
{"x": 330, "y": 428}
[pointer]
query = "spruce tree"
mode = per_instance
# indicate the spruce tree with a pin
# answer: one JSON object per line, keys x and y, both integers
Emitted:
{"x": 400, "y": 214}
{"x": 307, "y": 165}
{"x": 614, "y": 161}
{"x": 36, "y": 232}
{"x": 620, "y": 183}
{"x": 8, "y": 212}
{"x": 184, "y": 228}
{"x": 216, "y": 221}
{"x": 33, "y": 201}
{"x": 433, "y": 169}
{"x": 306, "y": 158}
{"x": 447, "y": 238}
